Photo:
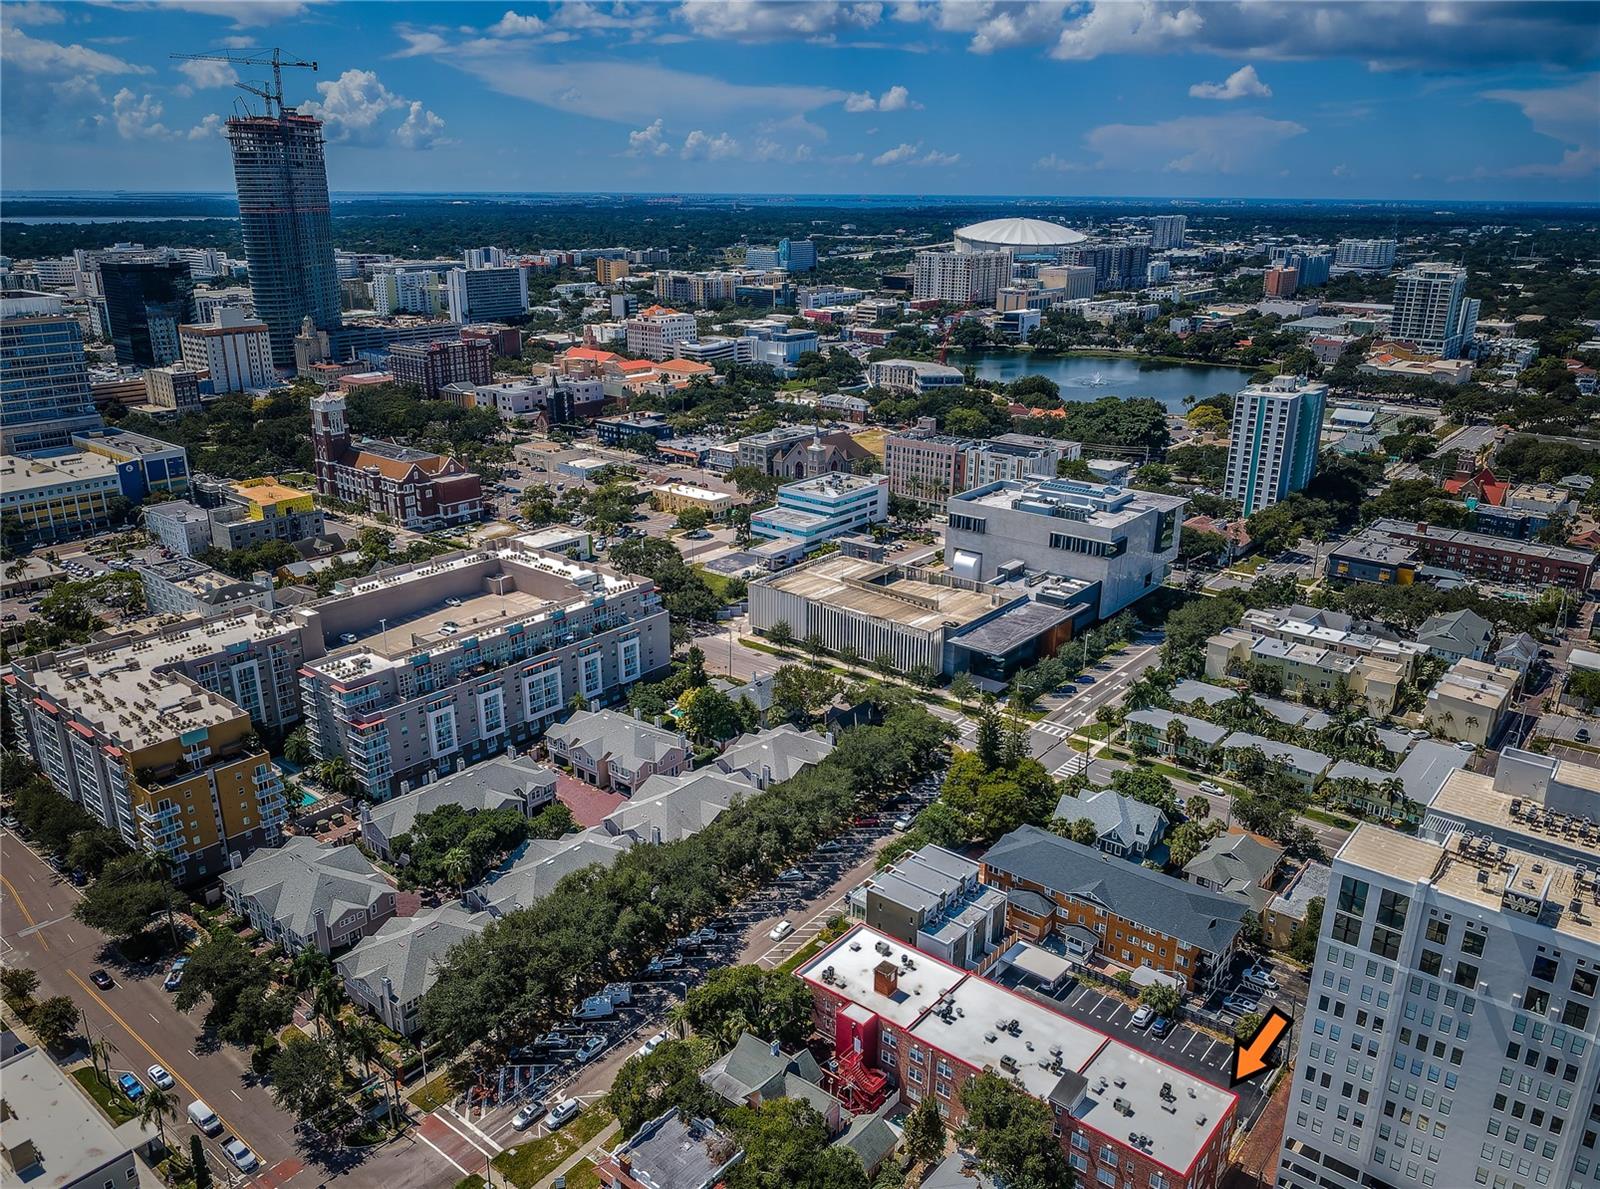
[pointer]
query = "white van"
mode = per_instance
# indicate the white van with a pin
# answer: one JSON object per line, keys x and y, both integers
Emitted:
{"x": 203, "y": 1117}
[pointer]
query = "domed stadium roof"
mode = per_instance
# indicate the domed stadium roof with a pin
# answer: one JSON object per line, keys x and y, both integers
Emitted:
{"x": 1018, "y": 234}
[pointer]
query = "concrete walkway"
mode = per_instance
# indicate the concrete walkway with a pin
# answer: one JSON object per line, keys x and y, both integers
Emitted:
{"x": 571, "y": 1162}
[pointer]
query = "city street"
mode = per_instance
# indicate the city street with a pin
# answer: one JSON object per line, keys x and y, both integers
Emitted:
{"x": 138, "y": 1018}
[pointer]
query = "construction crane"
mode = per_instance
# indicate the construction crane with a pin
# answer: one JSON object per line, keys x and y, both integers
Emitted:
{"x": 274, "y": 59}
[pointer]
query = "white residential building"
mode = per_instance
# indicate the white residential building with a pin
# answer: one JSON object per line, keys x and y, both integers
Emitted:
{"x": 486, "y": 294}
{"x": 235, "y": 348}
{"x": 1273, "y": 446}
{"x": 960, "y": 278}
{"x": 655, "y": 333}
{"x": 912, "y": 375}
{"x": 1432, "y": 310}
{"x": 1448, "y": 1034}
{"x": 1167, "y": 231}
{"x": 1373, "y": 254}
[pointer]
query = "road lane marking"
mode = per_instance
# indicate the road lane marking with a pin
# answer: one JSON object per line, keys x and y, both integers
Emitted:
{"x": 23, "y": 908}
{"x": 142, "y": 1043}
{"x": 459, "y": 1167}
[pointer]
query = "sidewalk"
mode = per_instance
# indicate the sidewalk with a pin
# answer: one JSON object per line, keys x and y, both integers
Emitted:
{"x": 582, "y": 1153}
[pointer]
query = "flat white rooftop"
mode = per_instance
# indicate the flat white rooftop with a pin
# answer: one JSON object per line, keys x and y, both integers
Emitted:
{"x": 1173, "y": 1113}
{"x": 849, "y": 964}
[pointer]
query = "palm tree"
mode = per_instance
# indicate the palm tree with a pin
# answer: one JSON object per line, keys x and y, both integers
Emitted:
{"x": 364, "y": 1042}
{"x": 1177, "y": 733}
{"x": 100, "y": 1049}
{"x": 326, "y": 1000}
{"x": 159, "y": 1105}
{"x": 457, "y": 866}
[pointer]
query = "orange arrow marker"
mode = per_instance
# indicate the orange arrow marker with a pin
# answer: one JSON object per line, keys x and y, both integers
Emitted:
{"x": 1250, "y": 1057}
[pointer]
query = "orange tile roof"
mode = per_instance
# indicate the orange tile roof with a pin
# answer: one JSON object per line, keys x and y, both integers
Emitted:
{"x": 653, "y": 310}
{"x": 595, "y": 354}
{"x": 632, "y": 366}
{"x": 686, "y": 367}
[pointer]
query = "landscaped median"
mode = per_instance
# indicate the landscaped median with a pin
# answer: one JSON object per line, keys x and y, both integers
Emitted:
{"x": 531, "y": 1161}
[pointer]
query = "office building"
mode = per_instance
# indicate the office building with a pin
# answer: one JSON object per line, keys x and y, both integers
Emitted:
{"x": 237, "y": 516}
{"x": 432, "y": 366}
{"x": 1448, "y": 1033}
{"x": 175, "y": 387}
{"x": 899, "y": 1020}
{"x": 286, "y": 226}
{"x": 1274, "y": 440}
{"x": 912, "y": 376}
{"x": 1280, "y": 281}
{"x": 44, "y": 375}
{"x": 960, "y": 278}
{"x": 824, "y": 508}
{"x": 147, "y": 299}
{"x": 608, "y": 271}
{"x": 1072, "y": 281}
{"x": 1117, "y": 264}
{"x": 414, "y": 488}
{"x": 655, "y": 332}
{"x": 1395, "y": 552}
{"x": 144, "y": 464}
{"x": 907, "y": 617}
{"x": 61, "y": 496}
{"x": 235, "y": 348}
{"x": 180, "y": 526}
{"x": 455, "y": 660}
{"x": 55, "y": 1136}
{"x": 1118, "y": 541}
{"x": 1365, "y": 254}
{"x": 406, "y": 289}
{"x": 1313, "y": 267}
{"x": 929, "y": 467}
{"x": 1432, "y": 312}
{"x": 183, "y": 586}
{"x": 486, "y": 294}
{"x": 1167, "y": 231}
{"x": 171, "y": 766}
{"x": 626, "y": 427}
{"x": 798, "y": 255}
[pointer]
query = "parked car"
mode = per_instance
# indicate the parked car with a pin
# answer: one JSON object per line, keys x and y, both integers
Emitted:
{"x": 793, "y": 875}
{"x": 561, "y": 1113}
{"x": 1143, "y": 1016}
{"x": 131, "y": 1086}
{"x": 160, "y": 1077}
{"x": 1160, "y": 1026}
{"x": 1463, "y": 745}
{"x": 242, "y": 1157}
{"x": 203, "y": 1117}
{"x": 1085, "y": 679}
{"x": 1212, "y": 787}
{"x": 651, "y": 1045}
{"x": 902, "y": 823}
{"x": 10, "y": 821}
{"x": 591, "y": 1049}
{"x": 1261, "y": 976}
{"x": 781, "y": 930}
{"x": 1238, "y": 1005}
{"x": 525, "y": 1117}
{"x": 101, "y": 979}
{"x": 174, "y": 978}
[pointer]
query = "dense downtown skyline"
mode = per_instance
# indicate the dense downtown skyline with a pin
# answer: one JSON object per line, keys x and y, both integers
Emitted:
{"x": 1357, "y": 100}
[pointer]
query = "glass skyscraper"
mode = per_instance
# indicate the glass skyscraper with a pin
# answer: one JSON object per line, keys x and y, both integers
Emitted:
{"x": 282, "y": 179}
{"x": 44, "y": 377}
{"x": 146, "y": 301}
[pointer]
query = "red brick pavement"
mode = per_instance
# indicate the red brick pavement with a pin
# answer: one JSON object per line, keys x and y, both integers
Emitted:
{"x": 589, "y": 805}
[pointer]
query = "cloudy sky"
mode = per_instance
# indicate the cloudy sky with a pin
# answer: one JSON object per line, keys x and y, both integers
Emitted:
{"x": 1260, "y": 98}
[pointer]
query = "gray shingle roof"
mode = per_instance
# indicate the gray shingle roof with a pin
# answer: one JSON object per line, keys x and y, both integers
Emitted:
{"x": 783, "y": 751}
{"x": 1234, "y": 862}
{"x": 1198, "y": 729}
{"x": 539, "y": 865}
{"x": 1122, "y": 819}
{"x": 751, "y": 1067}
{"x": 492, "y": 784}
{"x": 1300, "y": 759}
{"x": 407, "y": 951}
{"x": 1192, "y": 915}
{"x": 677, "y": 806}
{"x": 1464, "y": 628}
{"x": 627, "y": 741}
{"x": 294, "y": 882}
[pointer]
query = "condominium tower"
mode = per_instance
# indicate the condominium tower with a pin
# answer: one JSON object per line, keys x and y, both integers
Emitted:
{"x": 286, "y": 225}
{"x": 1432, "y": 310}
{"x": 1167, "y": 231}
{"x": 1273, "y": 448}
{"x": 961, "y": 278}
{"x": 44, "y": 376}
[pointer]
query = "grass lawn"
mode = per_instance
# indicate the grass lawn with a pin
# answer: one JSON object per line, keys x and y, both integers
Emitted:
{"x": 717, "y": 582}
{"x": 1328, "y": 819}
{"x": 111, "y": 1101}
{"x": 583, "y": 1176}
{"x": 472, "y": 1182}
{"x": 1098, "y": 730}
{"x": 433, "y": 1094}
{"x": 530, "y": 1162}
{"x": 1249, "y": 565}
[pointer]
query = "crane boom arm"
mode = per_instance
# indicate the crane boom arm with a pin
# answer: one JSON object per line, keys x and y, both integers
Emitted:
{"x": 275, "y": 59}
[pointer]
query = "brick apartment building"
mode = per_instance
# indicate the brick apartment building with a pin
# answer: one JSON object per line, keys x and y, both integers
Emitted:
{"x": 1391, "y": 551}
{"x": 898, "y": 1018}
{"x": 430, "y": 366}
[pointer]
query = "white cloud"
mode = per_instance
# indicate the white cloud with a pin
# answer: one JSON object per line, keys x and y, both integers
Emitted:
{"x": 702, "y": 146}
{"x": 1190, "y": 144}
{"x": 35, "y": 54}
{"x": 796, "y": 123}
{"x": 1569, "y": 115}
{"x": 31, "y": 12}
{"x": 514, "y": 24}
{"x": 912, "y": 154}
{"x": 206, "y": 128}
{"x": 1053, "y": 163}
{"x": 771, "y": 150}
{"x": 630, "y": 92}
{"x": 209, "y": 74}
{"x": 580, "y": 14}
{"x": 1341, "y": 170}
{"x": 898, "y": 155}
{"x": 648, "y": 142}
{"x": 245, "y": 14}
{"x": 354, "y": 108}
{"x": 1243, "y": 83}
{"x": 137, "y": 117}
{"x": 896, "y": 98}
{"x": 420, "y": 42}
{"x": 778, "y": 20}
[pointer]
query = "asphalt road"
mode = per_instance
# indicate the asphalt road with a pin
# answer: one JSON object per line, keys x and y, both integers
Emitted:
{"x": 138, "y": 1018}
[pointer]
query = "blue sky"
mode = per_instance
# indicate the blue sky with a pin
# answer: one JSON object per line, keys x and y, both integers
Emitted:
{"x": 1195, "y": 99}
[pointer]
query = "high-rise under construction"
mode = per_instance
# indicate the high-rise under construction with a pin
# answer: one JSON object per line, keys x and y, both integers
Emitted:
{"x": 287, "y": 227}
